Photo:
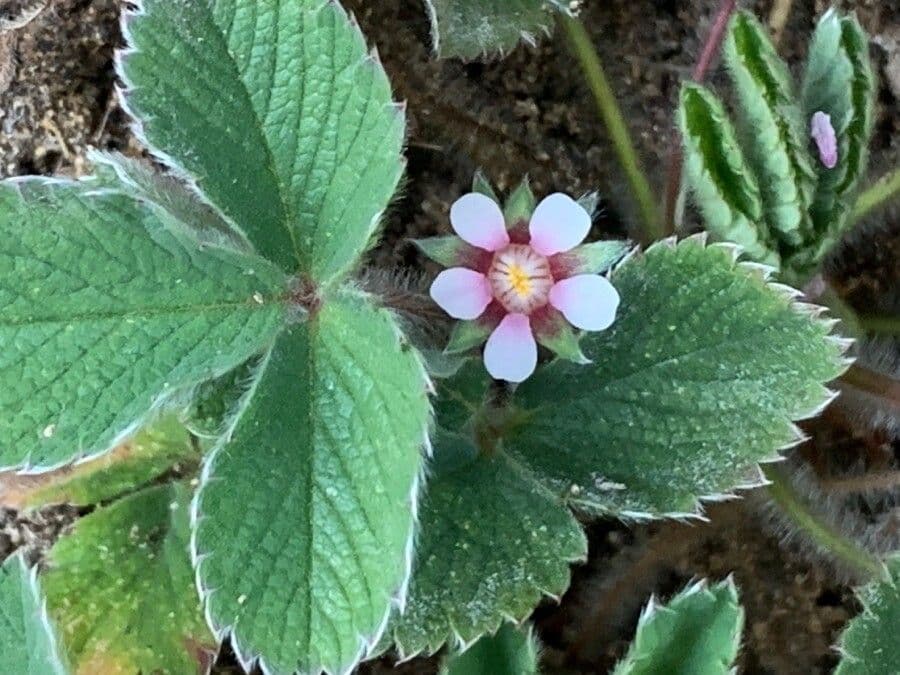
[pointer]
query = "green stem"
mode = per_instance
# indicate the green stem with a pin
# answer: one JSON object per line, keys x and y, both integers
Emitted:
{"x": 583, "y": 50}
{"x": 871, "y": 323}
{"x": 884, "y": 189}
{"x": 782, "y": 491}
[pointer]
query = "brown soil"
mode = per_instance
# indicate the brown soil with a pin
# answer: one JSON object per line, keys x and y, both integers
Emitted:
{"x": 526, "y": 114}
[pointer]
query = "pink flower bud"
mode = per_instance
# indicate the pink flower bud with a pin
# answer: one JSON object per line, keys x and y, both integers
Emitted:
{"x": 823, "y": 134}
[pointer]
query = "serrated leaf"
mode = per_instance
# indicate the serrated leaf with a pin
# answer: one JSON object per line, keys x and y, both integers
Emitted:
{"x": 719, "y": 176}
{"x": 316, "y": 493}
{"x": 470, "y": 29}
{"x": 28, "y": 640}
{"x": 776, "y": 133}
{"x": 698, "y": 631}
{"x": 511, "y": 651}
{"x": 869, "y": 644}
{"x": 142, "y": 180}
{"x": 164, "y": 445}
{"x": 121, "y": 588}
{"x": 839, "y": 81}
{"x": 217, "y": 402}
{"x": 696, "y": 381}
{"x": 493, "y": 540}
{"x": 108, "y": 309}
{"x": 279, "y": 112}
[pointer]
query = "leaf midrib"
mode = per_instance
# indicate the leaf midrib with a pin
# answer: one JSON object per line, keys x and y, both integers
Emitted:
{"x": 142, "y": 313}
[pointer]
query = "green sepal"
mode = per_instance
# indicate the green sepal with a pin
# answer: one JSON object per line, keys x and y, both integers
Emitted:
{"x": 556, "y": 334}
{"x": 467, "y": 335}
{"x": 776, "y": 134}
{"x": 589, "y": 201}
{"x": 595, "y": 257}
{"x": 482, "y": 185}
{"x": 719, "y": 176}
{"x": 698, "y": 631}
{"x": 447, "y": 251}
{"x": 520, "y": 205}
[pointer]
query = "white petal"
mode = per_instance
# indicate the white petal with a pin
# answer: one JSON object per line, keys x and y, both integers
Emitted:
{"x": 478, "y": 220}
{"x": 511, "y": 352}
{"x": 461, "y": 292}
{"x": 559, "y": 224}
{"x": 588, "y": 301}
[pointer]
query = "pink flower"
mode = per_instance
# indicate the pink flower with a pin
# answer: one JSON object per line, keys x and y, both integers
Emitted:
{"x": 523, "y": 284}
{"x": 823, "y": 134}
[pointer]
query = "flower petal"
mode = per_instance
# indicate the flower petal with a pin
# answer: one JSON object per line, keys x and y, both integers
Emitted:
{"x": 479, "y": 221}
{"x": 559, "y": 223}
{"x": 588, "y": 301}
{"x": 511, "y": 352}
{"x": 823, "y": 134}
{"x": 461, "y": 292}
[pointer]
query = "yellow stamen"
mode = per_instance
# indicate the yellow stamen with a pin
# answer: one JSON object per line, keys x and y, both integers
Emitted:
{"x": 519, "y": 280}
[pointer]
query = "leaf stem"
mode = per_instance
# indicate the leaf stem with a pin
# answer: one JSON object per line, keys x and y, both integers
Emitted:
{"x": 583, "y": 49}
{"x": 873, "y": 383}
{"x": 885, "y": 188}
{"x": 785, "y": 495}
{"x": 709, "y": 52}
{"x": 885, "y": 481}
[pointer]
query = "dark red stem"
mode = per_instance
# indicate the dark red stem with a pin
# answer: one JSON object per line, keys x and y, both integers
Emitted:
{"x": 710, "y": 50}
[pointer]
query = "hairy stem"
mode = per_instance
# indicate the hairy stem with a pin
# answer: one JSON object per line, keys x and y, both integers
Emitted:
{"x": 583, "y": 49}
{"x": 884, "y": 189}
{"x": 882, "y": 482}
{"x": 872, "y": 383}
{"x": 792, "y": 504}
{"x": 886, "y": 325}
{"x": 709, "y": 52}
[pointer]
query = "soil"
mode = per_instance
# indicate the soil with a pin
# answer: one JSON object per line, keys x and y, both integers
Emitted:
{"x": 530, "y": 114}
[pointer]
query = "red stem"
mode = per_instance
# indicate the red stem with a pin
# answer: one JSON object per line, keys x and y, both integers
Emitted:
{"x": 710, "y": 50}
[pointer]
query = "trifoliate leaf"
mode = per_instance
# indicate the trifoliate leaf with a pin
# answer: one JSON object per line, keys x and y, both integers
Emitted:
{"x": 305, "y": 518}
{"x": 28, "y": 640}
{"x": 492, "y": 542}
{"x": 696, "y": 381}
{"x": 109, "y": 309}
{"x": 471, "y": 29}
{"x": 122, "y": 590}
{"x": 870, "y": 645}
{"x": 511, "y": 651}
{"x": 279, "y": 112}
{"x": 719, "y": 176}
{"x": 776, "y": 133}
{"x": 839, "y": 82}
{"x": 698, "y": 631}
{"x": 159, "y": 448}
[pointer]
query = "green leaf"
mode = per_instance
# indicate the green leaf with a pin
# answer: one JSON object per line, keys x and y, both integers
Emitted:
{"x": 305, "y": 518}
{"x": 142, "y": 180}
{"x": 698, "y": 631}
{"x": 28, "y": 640}
{"x": 869, "y": 644}
{"x": 776, "y": 133}
{"x": 511, "y": 651}
{"x": 723, "y": 184}
{"x": 216, "y": 403}
{"x": 470, "y": 29}
{"x": 696, "y": 381}
{"x": 281, "y": 115}
{"x": 121, "y": 588}
{"x": 164, "y": 445}
{"x": 839, "y": 81}
{"x": 493, "y": 541}
{"x": 109, "y": 309}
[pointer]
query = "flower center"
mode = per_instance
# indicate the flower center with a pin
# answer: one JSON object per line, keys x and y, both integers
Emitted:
{"x": 520, "y": 278}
